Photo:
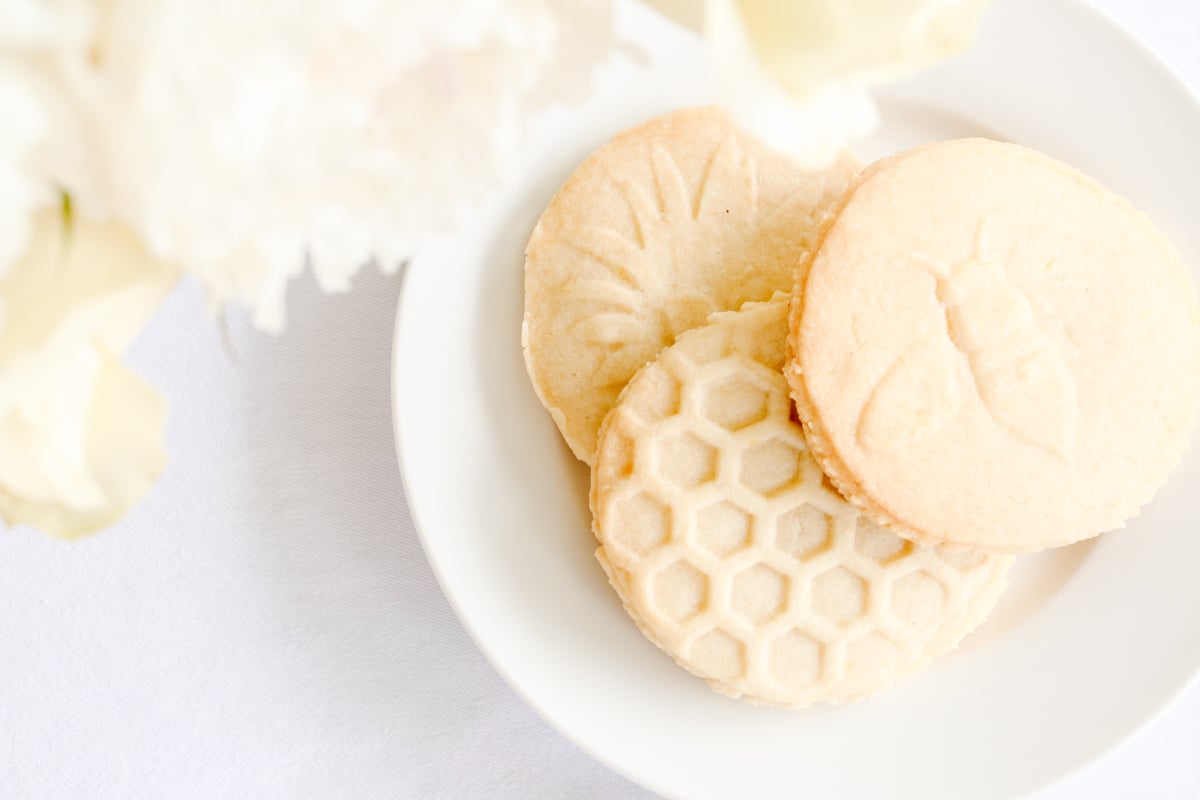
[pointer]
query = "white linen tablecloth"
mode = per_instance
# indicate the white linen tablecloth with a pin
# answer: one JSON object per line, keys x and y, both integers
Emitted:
{"x": 265, "y": 624}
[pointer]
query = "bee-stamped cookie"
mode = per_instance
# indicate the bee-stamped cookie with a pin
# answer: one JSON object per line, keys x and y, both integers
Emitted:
{"x": 736, "y": 557}
{"x": 667, "y": 223}
{"x": 992, "y": 350}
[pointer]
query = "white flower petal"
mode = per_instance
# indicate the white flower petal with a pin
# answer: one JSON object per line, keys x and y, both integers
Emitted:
{"x": 243, "y": 141}
{"x": 121, "y": 449}
{"x": 812, "y": 126}
{"x": 73, "y": 301}
{"x": 798, "y": 74}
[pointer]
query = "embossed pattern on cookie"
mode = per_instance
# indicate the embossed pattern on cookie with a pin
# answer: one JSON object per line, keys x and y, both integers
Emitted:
{"x": 645, "y": 271}
{"x": 1017, "y": 371}
{"x": 669, "y": 222}
{"x": 993, "y": 351}
{"x": 732, "y": 552}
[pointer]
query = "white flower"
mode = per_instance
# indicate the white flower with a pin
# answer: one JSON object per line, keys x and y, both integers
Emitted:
{"x": 798, "y": 73}
{"x": 237, "y": 141}
{"x": 18, "y": 191}
{"x": 242, "y": 140}
{"x": 43, "y": 143}
{"x": 80, "y": 435}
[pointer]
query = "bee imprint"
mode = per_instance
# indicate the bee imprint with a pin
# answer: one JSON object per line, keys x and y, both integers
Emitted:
{"x": 1021, "y": 377}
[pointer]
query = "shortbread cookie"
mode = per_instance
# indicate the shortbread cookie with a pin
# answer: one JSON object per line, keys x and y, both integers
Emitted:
{"x": 662, "y": 226}
{"x": 735, "y": 557}
{"x": 993, "y": 351}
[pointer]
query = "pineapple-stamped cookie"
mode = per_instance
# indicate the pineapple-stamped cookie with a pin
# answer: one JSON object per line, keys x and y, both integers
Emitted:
{"x": 732, "y": 553}
{"x": 992, "y": 350}
{"x": 667, "y": 223}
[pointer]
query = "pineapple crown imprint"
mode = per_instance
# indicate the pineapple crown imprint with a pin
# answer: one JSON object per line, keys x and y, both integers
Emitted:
{"x": 668, "y": 223}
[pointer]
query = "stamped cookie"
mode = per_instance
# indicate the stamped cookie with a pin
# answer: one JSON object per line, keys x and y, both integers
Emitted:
{"x": 662, "y": 226}
{"x": 732, "y": 553}
{"x": 991, "y": 350}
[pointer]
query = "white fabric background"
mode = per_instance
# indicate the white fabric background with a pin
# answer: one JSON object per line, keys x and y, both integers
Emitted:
{"x": 265, "y": 625}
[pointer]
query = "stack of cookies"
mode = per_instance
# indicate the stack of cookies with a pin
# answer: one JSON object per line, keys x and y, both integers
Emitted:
{"x": 823, "y": 411}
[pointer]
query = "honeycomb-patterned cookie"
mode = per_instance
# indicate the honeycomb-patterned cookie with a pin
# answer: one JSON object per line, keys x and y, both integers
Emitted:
{"x": 667, "y": 223}
{"x": 734, "y": 554}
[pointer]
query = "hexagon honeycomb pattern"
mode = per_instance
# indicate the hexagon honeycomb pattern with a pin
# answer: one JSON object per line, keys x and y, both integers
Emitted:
{"x": 737, "y": 558}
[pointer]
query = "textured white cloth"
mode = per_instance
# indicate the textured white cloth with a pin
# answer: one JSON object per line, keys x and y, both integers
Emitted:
{"x": 265, "y": 625}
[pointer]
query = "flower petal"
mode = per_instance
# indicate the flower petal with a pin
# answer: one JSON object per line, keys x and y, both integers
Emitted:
{"x": 797, "y": 74}
{"x": 80, "y": 435}
{"x": 123, "y": 454}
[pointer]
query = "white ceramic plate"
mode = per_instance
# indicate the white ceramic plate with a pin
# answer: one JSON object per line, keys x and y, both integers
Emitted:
{"x": 1088, "y": 645}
